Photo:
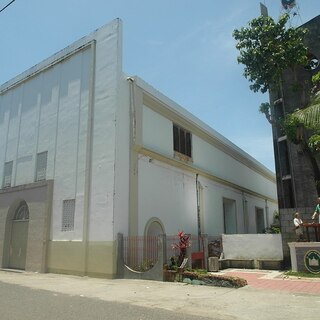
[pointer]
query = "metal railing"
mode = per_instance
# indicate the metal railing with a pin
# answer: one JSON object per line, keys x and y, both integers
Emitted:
{"x": 140, "y": 253}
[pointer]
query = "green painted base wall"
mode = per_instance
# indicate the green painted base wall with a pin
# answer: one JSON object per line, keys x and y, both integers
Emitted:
{"x": 69, "y": 257}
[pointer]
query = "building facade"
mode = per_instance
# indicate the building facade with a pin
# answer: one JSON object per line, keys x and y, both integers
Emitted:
{"x": 296, "y": 172}
{"x": 296, "y": 168}
{"x": 87, "y": 152}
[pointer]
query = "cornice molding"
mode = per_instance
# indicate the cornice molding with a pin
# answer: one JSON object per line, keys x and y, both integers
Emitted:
{"x": 191, "y": 168}
{"x": 180, "y": 119}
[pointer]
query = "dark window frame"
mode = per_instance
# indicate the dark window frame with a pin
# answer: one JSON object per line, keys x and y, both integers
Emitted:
{"x": 7, "y": 174}
{"x": 41, "y": 166}
{"x": 182, "y": 140}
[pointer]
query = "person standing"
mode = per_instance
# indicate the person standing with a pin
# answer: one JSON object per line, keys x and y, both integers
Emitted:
{"x": 297, "y": 221}
{"x": 317, "y": 210}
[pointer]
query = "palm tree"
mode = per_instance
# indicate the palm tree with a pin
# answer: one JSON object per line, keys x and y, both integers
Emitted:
{"x": 310, "y": 116}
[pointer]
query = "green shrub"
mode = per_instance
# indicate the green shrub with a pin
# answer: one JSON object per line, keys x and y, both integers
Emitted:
{"x": 215, "y": 280}
{"x": 301, "y": 274}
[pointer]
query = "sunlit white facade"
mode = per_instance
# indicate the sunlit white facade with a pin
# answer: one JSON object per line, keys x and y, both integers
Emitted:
{"x": 91, "y": 152}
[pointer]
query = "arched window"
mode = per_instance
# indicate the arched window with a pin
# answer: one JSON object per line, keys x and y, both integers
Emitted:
{"x": 154, "y": 228}
{"x": 22, "y": 212}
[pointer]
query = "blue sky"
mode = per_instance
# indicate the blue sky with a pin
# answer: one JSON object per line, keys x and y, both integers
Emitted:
{"x": 183, "y": 48}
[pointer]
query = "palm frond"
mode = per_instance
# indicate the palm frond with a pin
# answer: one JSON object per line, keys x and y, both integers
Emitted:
{"x": 310, "y": 116}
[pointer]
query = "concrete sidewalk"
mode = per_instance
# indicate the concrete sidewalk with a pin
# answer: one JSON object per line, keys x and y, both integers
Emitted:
{"x": 217, "y": 303}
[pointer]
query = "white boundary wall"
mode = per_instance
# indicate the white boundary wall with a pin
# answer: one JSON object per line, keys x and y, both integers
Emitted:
{"x": 252, "y": 246}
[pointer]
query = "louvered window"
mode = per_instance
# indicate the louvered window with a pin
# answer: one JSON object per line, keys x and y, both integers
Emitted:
{"x": 41, "y": 167}
{"x": 7, "y": 174}
{"x": 181, "y": 140}
{"x": 68, "y": 215}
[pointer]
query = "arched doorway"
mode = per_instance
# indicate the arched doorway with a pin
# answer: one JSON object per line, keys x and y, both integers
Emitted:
{"x": 153, "y": 229}
{"x": 19, "y": 237}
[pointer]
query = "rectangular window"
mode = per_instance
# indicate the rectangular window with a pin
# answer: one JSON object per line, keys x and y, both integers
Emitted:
{"x": 41, "y": 166}
{"x": 68, "y": 215}
{"x": 260, "y": 224}
{"x": 230, "y": 216}
{"x": 182, "y": 140}
{"x": 284, "y": 157}
{"x": 288, "y": 199}
{"x": 7, "y": 174}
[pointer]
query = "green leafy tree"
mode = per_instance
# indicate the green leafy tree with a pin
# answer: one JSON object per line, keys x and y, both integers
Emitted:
{"x": 303, "y": 127}
{"x": 310, "y": 116}
{"x": 267, "y": 48}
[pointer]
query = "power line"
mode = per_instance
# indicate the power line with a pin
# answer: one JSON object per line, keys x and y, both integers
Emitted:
{"x": 6, "y": 6}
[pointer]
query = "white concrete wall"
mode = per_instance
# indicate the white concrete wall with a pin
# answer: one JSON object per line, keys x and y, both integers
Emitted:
{"x": 157, "y": 132}
{"x": 213, "y": 195}
{"x": 67, "y": 153}
{"x": 167, "y": 193}
{"x": 48, "y": 112}
{"x": 252, "y": 246}
{"x": 158, "y": 137}
{"x": 49, "y": 108}
{"x": 108, "y": 74}
{"x": 205, "y": 156}
{"x": 122, "y": 162}
{"x": 209, "y": 158}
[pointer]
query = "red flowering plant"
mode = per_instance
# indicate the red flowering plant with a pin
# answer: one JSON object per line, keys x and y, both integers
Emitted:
{"x": 181, "y": 246}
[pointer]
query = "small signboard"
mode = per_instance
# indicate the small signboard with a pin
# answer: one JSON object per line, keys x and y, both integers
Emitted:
{"x": 312, "y": 261}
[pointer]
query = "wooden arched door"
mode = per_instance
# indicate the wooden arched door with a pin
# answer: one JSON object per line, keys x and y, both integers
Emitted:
{"x": 19, "y": 237}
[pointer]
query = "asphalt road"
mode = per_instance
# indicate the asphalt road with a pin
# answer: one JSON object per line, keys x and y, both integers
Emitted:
{"x": 17, "y": 303}
{"x": 33, "y": 296}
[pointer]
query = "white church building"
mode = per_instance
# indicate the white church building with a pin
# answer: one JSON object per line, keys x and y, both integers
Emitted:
{"x": 87, "y": 152}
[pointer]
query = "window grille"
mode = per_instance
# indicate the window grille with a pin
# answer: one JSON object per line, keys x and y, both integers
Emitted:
{"x": 41, "y": 167}
{"x": 22, "y": 213}
{"x": 181, "y": 140}
{"x": 68, "y": 215}
{"x": 7, "y": 174}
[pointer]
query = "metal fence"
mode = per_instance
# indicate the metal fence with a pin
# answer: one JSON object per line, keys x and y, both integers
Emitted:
{"x": 140, "y": 253}
{"x": 171, "y": 247}
{"x": 197, "y": 243}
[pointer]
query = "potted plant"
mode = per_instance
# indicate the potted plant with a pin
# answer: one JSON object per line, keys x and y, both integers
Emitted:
{"x": 170, "y": 272}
